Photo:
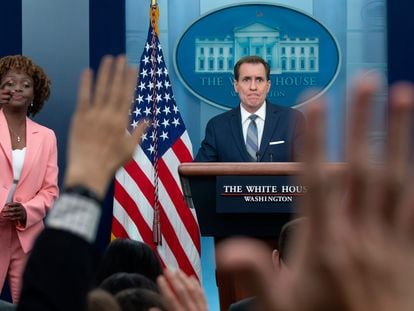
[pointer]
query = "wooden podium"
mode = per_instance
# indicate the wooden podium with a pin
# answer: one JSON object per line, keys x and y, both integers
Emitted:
{"x": 219, "y": 194}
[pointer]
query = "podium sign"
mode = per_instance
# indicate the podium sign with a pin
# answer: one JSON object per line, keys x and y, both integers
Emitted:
{"x": 219, "y": 194}
{"x": 257, "y": 194}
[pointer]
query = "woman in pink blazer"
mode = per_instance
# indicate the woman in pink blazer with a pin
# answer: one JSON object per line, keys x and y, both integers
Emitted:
{"x": 28, "y": 165}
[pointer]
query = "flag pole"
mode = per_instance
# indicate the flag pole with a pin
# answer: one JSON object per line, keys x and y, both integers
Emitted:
{"x": 156, "y": 226}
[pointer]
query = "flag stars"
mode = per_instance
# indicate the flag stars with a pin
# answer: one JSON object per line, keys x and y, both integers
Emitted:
{"x": 166, "y": 110}
{"x": 176, "y": 122}
{"x": 165, "y": 123}
{"x": 159, "y": 85}
{"x": 145, "y": 60}
{"x": 141, "y": 86}
{"x": 150, "y": 85}
{"x": 147, "y": 111}
{"x": 164, "y": 135}
{"x": 134, "y": 124}
{"x": 167, "y": 97}
{"x": 137, "y": 111}
{"x": 144, "y": 73}
{"x": 139, "y": 99}
{"x": 148, "y": 98}
{"x": 151, "y": 149}
{"x": 154, "y": 102}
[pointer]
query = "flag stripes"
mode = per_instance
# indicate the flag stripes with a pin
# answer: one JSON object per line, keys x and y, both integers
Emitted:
{"x": 152, "y": 176}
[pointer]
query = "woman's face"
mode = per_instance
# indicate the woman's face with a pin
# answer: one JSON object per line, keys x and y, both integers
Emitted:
{"x": 20, "y": 87}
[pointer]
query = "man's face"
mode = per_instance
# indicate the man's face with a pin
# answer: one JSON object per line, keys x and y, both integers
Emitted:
{"x": 252, "y": 86}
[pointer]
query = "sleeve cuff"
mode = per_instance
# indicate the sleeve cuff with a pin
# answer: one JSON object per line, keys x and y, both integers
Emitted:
{"x": 77, "y": 214}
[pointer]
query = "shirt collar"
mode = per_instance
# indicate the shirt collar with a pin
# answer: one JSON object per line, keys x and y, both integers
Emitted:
{"x": 261, "y": 113}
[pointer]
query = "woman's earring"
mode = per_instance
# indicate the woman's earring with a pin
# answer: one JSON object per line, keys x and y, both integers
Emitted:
{"x": 31, "y": 104}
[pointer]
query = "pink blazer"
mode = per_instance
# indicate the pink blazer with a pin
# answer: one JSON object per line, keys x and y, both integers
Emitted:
{"x": 37, "y": 188}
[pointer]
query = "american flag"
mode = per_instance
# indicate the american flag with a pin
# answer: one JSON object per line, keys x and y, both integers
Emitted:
{"x": 148, "y": 200}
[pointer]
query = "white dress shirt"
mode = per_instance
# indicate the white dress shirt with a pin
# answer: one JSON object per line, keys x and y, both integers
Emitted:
{"x": 260, "y": 120}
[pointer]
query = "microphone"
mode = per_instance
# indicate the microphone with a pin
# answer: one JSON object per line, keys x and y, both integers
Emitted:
{"x": 271, "y": 157}
{"x": 257, "y": 156}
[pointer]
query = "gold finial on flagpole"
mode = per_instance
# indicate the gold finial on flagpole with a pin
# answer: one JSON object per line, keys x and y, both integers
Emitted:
{"x": 154, "y": 15}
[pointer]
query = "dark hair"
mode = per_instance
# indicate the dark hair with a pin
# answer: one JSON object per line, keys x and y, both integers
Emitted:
{"x": 251, "y": 60}
{"x": 124, "y": 255}
{"x": 123, "y": 280}
{"x": 100, "y": 300}
{"x": 41, "y": 83}
{"x": 285, "y": 236}
{"x": 139, "y": 299}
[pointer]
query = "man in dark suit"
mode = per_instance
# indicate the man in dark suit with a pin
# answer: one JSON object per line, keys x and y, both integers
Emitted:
{"x": 278, "y": 130}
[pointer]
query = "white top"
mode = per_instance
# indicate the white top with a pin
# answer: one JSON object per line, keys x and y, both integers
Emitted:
{"x": 261, "y": 115}
{"x": 18, "y": 156}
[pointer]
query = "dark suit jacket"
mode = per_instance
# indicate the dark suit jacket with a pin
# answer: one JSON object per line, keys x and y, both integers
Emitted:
{"x": 224, "y": 140}
{"x": 59, "y": 273}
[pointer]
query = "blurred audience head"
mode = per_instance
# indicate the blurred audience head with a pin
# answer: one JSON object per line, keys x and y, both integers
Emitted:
{"x": 140, "y": 299}
{"x": 100, "y": 300}
{"x": 124, "y": 255}
{"x": 124, "y": 280}
{"x": 281, "y": 255}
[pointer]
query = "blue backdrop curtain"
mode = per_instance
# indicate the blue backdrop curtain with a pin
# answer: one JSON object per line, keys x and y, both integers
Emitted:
{"x": 107, "y": 36}
{"x": 11, "y": 27}
{"x": 106, "y": 29}
{"x": 400, "y": 45}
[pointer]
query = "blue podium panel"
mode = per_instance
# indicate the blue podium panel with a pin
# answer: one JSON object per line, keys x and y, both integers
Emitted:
{"x": 257, "y": 194}
{"x": 253, "y": 199}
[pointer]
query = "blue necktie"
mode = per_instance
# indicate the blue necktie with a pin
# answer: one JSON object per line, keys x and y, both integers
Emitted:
{"x": 252, "y": 138}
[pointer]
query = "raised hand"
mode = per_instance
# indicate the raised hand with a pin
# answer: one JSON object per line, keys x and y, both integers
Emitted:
{"x": 181, "y": 292}
{"x": 357, "y": 250}
{"x": 99, "y": 143}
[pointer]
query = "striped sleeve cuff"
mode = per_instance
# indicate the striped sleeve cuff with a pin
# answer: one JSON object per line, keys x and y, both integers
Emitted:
{"x": 77, "y": 214}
